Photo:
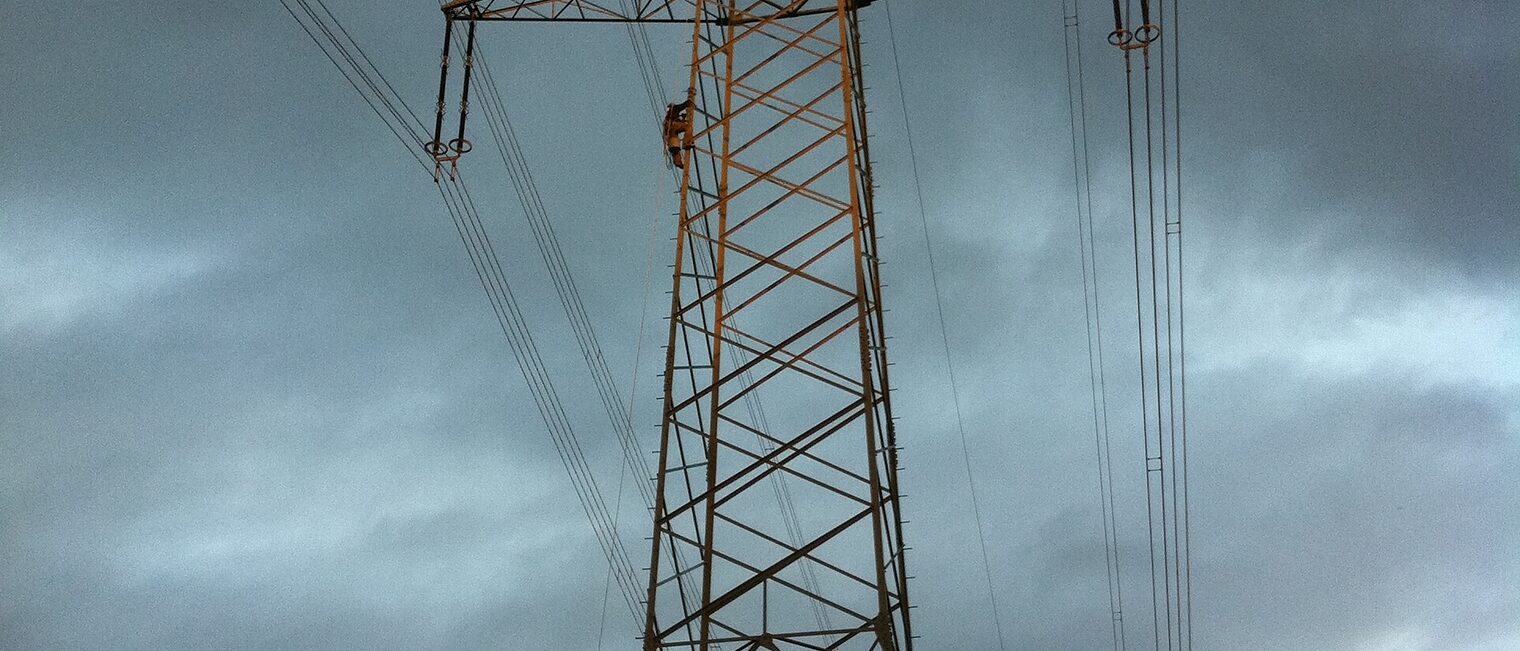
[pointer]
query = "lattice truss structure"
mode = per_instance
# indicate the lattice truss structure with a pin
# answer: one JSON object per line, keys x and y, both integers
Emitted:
{"x": 776, "y": 292}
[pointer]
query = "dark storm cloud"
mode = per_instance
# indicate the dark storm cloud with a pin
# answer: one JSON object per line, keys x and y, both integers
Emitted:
{"x": 252, "y": 397}
{"x": 1378, "y": 128}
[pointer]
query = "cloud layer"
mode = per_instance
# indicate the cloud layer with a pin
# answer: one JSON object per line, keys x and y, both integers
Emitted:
{"x": 251, "y": 396}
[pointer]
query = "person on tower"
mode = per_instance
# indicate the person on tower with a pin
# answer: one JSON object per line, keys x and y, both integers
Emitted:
{"x": 677, "y": 121}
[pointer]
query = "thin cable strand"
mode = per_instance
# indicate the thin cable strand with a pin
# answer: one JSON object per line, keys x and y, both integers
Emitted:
{"x": 394, "y": 129}
{"x": 1176, "y": 33}
{"x": 1081, "y": 179}
{"x": 1171, "y": 378}
{"x": 1134, "y": 209}
{"x": 633, "y": 384}
{"x": 1150, "y": 183}
{"x": 944, "y": 334}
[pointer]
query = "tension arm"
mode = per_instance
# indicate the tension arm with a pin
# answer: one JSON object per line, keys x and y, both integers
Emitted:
{"x": 634, "y": 11}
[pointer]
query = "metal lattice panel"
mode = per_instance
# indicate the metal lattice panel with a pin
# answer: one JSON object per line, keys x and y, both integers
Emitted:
{"x": 776, "y": 293}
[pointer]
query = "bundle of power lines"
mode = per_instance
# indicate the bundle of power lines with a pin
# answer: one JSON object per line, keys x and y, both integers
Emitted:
{"x": 1153, "y": 124}
{"x": 380, "y": 95}
{"x": 340, "y": 48}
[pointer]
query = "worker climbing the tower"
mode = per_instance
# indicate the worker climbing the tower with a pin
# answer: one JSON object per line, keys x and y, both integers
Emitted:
{"x": 677, "y": 121}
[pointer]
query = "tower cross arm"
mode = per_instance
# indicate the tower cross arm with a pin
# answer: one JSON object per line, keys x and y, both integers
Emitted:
{"x": 633, "y": 11}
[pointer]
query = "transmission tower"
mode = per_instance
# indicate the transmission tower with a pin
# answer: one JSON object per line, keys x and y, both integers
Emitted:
{"x": 776, "y": 290}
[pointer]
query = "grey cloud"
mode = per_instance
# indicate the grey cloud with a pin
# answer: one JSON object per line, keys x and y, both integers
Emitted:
{"x": 314, "y": 438}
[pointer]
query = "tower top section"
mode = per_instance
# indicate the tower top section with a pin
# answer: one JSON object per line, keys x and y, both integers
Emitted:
{"x": 720, "y": 12}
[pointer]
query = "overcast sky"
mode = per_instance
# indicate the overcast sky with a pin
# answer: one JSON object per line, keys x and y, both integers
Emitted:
{"x": 252, "y": 396}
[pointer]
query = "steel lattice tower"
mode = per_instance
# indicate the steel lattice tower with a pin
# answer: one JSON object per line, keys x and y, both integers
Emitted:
{"x": 776, "y": 291}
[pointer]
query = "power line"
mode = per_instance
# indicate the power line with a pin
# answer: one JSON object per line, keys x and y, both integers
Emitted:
{"x": 939, "y": 307}
{"x": 334, "y": 49}
{"x": 633, "y": 386}
{"x": 487, "y": 266}
{"x": 1150, "y": 191}
{"x": 1171, "y": 386}
{"x": 552, "y": 254}
{"x": 1172, "y": 216}
{"x": 1081, "y": 179}
{"x": 1187, "y": 517}
{"x": 566, "y": 290}
{"x": 1174, "y": 589}
{"x": 1122, "y": 38}
{"x": 377, "y": 92}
